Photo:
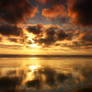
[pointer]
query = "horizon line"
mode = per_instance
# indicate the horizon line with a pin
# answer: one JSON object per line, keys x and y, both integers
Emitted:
{"x": 26, "y": 55}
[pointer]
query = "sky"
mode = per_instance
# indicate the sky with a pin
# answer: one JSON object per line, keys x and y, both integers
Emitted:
{"x": 62, "y": 27}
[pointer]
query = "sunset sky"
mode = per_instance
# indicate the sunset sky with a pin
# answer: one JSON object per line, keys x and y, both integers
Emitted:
{"x": 54, "y": 27}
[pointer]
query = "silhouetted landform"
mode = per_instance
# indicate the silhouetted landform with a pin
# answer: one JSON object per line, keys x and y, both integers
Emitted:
{"x": 49, "y": 56}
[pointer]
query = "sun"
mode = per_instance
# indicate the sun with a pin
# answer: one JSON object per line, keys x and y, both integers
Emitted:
{"x": 30, "y": 37}
{"x": 34, "y": 45}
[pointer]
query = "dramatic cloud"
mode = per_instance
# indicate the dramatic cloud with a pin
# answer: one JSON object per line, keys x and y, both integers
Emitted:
{"x": 43, "y": 35}
{"x": 9, "y": 30}
{"x": 86, "y": 36}
{"x": 54, "y": 12}
{"x": 16, "y": 11}
{"x": 46, "y": 35}
{"x": 61, "y": 35}
{"x": 79, "y": 38}
{"x": 49, "y": 38}
{"x": 35, "y": 29}
{"x": 80, "y": 12}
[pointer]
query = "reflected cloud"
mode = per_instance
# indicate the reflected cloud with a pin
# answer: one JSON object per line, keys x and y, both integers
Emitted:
{"x": 88, "y": 89}
{"x": 33, "y": 67}
{"x": 46, "y": 77}
{"x": 35, "y": 76}
{"x": 10, "y": 84}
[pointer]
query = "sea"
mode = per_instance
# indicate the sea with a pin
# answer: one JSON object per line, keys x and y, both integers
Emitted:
{"x": 45, "y": 73}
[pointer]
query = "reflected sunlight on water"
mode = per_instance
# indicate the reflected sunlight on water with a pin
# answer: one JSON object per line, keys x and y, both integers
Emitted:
{"x": 45, "y": 74}
{"x": 33, "y": 67}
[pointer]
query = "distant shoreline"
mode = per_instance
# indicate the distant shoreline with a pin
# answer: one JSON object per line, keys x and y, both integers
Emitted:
{"x": 28, "y": 56}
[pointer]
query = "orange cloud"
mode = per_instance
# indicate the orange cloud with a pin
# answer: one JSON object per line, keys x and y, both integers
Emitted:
{"x": 86, "y": 36}
{"x": 80, "y": 12}
{"x": 55, "y": 11}
{"x": 51, "y": 2}
{"x": 16, "y": 11}
{"x": 42, "y": 1}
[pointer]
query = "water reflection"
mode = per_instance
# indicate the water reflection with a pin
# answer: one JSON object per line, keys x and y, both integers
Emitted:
{"x": 35, "y": 75}
{"x": 88, "y": 89}
{"x": 46, "y": 77}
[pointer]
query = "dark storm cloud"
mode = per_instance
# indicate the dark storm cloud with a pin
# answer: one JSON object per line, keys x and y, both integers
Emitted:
{"x": 61, "y": 35}
{"x": 46, "y": 41}
{"x": 52, "y": 78}
{"x": 16, "y": 11}
{"x": 81, "y": 12}
{"x": 35, "y": 29}
{"x": 46, "y": 35}
{"x": 51, "y": 36}
{"x": 49, "y": 39}
{"x": 10, "y": 30}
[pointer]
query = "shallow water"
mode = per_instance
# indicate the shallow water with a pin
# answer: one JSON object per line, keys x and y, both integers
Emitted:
{"x": 45, "y": 74}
